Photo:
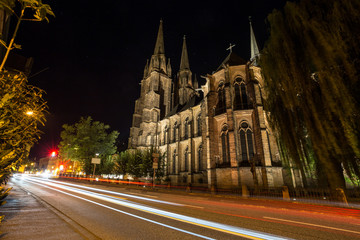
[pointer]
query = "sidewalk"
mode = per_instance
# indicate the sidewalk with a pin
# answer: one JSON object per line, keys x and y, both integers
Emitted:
{"x": 28, "y": 218}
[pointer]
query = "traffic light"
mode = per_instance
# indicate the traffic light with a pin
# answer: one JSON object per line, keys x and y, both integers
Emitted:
{"x": 53, "y": 153}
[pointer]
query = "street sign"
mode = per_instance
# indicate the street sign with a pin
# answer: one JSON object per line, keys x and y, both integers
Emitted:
{"x": 155, "y": 165}
{"x": 95, "y": 160}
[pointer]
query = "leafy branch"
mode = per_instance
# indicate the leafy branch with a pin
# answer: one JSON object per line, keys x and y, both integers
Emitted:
{"x": 39, "y": 11}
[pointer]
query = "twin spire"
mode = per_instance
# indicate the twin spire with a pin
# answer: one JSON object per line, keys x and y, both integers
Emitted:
{"x": 160, "y": 49}
{"x": 184, "y": 62}
{"x": 159, "y": 45}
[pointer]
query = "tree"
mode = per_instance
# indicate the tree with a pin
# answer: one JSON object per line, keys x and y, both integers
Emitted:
{"x": 22, "y": 107}
{"x": 139, "y": 163}
{"x": 312, "y": 69}
{"x": 121, "y": 161}
{"x": 83, "y": 140}
{"x": 38, "y": 11}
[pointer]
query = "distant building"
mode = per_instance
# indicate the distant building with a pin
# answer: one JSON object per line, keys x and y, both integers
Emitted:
{"x": 215, "y": 135}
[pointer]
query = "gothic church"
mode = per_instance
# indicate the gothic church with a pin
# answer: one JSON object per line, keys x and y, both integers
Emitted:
{"x": 214, "y": 135}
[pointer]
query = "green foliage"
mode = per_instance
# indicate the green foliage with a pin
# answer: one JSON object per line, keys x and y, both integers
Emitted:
{"x": 312, "y": 70}
{"x": 22, "y": 107}
{"x": 81, "y": 141}
{"x": 138, "y": 163}
{"x": 35, "y": 8}
{"x": 107, "y": 165}
{"x": 18, "y": 129}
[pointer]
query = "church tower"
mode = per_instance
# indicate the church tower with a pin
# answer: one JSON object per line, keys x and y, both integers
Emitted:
{"x": 184, "y": 76}
{"x": 155, "y": 96}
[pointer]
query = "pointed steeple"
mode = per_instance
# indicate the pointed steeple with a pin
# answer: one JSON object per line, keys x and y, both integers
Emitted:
{"x": 159, "y": 46}
{"x": 146, "y": 69}
{"x": 184, "y": 62}
{"x": 253, "y": 45}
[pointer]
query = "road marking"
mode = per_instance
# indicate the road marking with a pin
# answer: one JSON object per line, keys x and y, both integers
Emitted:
{"x": 186, "y": 205}
{"x": 315, "y": 225}
{"x": 115, "y": 196}
{"x": 143, "y": 195}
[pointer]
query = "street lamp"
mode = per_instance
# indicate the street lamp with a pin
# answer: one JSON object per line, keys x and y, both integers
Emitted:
{"x": 29, "y": 113}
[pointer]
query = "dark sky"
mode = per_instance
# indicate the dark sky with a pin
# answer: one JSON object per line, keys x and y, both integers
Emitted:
{"x": 90, "y": 58}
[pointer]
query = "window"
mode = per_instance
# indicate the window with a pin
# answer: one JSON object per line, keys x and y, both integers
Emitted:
{"x": 186, "y": 129}
{"x": 174, "y": 132}
{"x": 221, "y": 105}
{"x": 225, "y": 145}
{"x": 241, "y": 98}
{"x": 246, "y": 143}
{"x": 199, "y": 158}
{"x": 198, "y": 121}
{"x": 174, "y": 163}
{"x": 186, "y": 159}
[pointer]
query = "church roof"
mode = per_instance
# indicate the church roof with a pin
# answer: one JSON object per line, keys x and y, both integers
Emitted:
{"x": 194, "y": 101}
{"x": 232, "y": 60}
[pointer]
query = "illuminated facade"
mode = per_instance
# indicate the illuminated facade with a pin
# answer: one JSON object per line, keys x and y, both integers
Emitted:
{"x": 216, "y": 135}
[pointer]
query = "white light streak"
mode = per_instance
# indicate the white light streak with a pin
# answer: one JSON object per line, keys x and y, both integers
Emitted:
{"x": 250, "y": 234}
{"x": 132, "y": 215}
{"x": 115, "y": 193}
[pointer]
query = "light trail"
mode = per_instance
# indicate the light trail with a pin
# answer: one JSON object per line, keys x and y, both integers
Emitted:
{"x": 115, "y": 193}
{"x": 129, "y": 214}
{"x": 249, "y": 234}
{"x": 314, "y": 225}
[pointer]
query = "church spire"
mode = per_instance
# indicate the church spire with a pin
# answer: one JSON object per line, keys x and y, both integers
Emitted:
{"x": 146, "y": 69}
{"x": 159, "y": 46}
{"x": 253, "y": 45}
{"x": 184, "y": 62}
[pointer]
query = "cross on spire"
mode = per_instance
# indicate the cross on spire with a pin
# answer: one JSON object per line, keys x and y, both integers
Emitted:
{"x": 230, "y": 47}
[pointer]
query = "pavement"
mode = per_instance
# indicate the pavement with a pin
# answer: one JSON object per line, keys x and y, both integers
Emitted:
{"x": 27, "y": 217}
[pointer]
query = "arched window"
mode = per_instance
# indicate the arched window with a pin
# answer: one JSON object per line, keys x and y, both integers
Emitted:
{"x": 246, "y": 142}
{"x": 241, "y": 98}
{"x": 186, "y": 159}
{"x": 225, "y": 145}
{"x": 198, "y": 121}
{"x": 174, "y": 132}
{"x": 186, "y": 128}
{"x": 199, "y": 158}
{"x": 221, "y": 105}
{"x": 174, "y": 163}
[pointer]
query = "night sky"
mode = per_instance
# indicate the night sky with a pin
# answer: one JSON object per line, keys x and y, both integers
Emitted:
{"x": 90, "y": 58}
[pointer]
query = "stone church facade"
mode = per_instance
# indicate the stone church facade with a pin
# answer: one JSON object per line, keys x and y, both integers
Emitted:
{"x": 216, "y": 135}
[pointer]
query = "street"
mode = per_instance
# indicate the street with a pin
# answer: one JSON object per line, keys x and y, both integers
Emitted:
{"x": 113, "y": 212}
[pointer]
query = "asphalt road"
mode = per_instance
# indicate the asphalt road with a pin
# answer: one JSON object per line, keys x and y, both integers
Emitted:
{"x": 111, "y": 212}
